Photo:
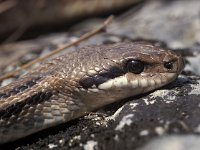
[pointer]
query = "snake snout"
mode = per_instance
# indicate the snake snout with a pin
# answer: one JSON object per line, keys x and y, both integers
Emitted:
{"x": 181, "y": 64}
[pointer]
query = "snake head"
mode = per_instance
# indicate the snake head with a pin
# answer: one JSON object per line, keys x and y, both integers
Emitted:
{"x": 128, "y": 69}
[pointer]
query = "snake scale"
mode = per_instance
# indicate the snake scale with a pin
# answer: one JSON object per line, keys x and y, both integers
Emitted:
{"x": 67, "y": 86}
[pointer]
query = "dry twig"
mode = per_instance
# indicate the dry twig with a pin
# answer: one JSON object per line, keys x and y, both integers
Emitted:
{"x": 83, "y": 37}
{"x": 6, "y": 5}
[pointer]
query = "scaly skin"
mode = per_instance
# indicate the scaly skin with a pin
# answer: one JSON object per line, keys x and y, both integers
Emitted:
{"x": 66, "y": 87}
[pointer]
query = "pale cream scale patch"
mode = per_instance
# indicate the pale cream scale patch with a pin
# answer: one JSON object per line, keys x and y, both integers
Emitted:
{"x": 121, "y": 82}
{"x": 134, "y": 83}
{"x": 143, "y": 83}
{"x": 117, "y": 82}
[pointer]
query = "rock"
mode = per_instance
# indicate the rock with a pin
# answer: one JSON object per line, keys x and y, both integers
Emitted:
{"x": 175, "y": 142}
{"x": 166, "y": 21}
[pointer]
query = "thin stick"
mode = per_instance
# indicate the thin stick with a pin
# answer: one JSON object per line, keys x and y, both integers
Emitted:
{"x": 6, "y": 5}
{"x": 83, "y": 37}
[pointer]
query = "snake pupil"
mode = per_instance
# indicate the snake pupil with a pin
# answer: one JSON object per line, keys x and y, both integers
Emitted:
{"x": 168, "y": 65}
{"x": 135, "y": 66}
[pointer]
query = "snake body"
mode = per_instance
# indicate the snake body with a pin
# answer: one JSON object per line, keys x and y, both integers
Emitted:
{"x": 66, "y": 87}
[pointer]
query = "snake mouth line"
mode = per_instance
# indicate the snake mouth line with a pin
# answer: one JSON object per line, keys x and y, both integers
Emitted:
{"x": 145, "y": 81}
{"x": 124, "y": 86}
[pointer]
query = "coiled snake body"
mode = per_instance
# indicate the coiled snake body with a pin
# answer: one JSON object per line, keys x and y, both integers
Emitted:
{"x": 66, "y": 87}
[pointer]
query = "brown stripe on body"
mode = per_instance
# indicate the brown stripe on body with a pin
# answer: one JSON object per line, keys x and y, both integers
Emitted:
{"x": 21, "y": 88}
{"x": 17, "y": 107}
{"x": 24, "y": 96}
{"x": 44, "y": 84}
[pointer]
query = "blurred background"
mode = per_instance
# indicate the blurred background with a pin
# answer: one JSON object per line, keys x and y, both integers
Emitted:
{"x": 47, "y": 24}
{"x": 21, "y": 19}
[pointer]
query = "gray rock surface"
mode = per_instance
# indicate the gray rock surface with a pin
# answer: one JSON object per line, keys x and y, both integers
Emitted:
{"x": 175, "y": 22}
{"x": 175, "y": 142}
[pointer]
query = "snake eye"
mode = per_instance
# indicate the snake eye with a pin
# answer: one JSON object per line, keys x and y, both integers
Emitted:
{"x": 135, "y": 66}
{"x": 168, "y": 65}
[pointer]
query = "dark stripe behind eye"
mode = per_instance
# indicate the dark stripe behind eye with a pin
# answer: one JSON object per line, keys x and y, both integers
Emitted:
{"x": 86, "y": 82}
{"x": 113, "y": 72}
{"x": 101, "y": 77}
{"x": 99, "y": 80}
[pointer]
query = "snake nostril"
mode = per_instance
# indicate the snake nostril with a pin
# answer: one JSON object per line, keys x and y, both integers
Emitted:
{"x": 168, "y": 65}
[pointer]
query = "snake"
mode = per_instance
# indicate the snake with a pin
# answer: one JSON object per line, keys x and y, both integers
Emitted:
{"x": 67, "y": 86}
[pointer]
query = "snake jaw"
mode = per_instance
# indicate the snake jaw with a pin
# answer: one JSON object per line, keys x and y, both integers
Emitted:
{"x": 138, "y": 81}
{"x": 124, "y": 86}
